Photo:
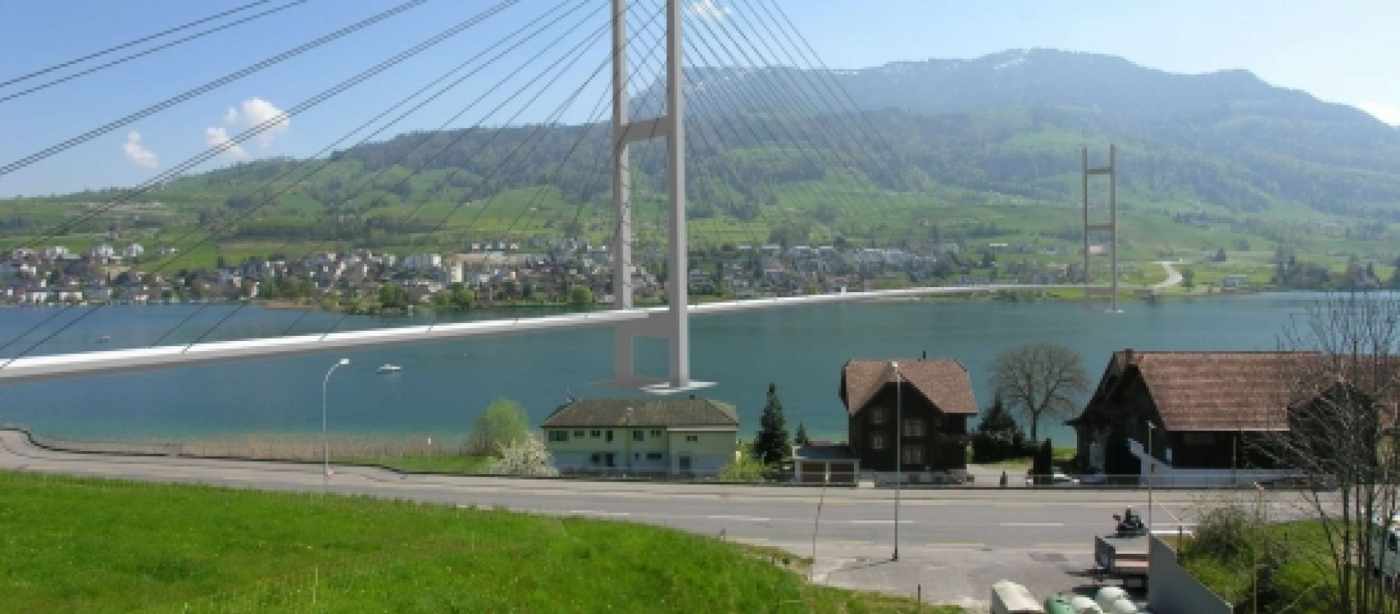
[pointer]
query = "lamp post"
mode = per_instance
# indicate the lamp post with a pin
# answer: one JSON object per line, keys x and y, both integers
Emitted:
{"x": 325, "y": 445}
{"x": 1151, "y": 471}
{"x": 898, "y": 451}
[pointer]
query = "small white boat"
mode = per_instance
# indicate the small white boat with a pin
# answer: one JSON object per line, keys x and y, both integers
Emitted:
{"x": 389, "y": 368}
{"x": 104, "y": 339}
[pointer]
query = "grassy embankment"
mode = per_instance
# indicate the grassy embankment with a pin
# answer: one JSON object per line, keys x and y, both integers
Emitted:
{"x": 96, "y": 545}
{"x": 1295, "y": 568}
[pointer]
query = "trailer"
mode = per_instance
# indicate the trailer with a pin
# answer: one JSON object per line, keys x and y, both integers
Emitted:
{"x": 1124, "y": 558}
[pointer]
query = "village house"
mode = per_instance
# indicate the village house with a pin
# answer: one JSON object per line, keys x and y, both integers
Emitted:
{"x": 1207, "y": 410}
{"x": 924, "y": 403}
{"x": 642, "y": 436}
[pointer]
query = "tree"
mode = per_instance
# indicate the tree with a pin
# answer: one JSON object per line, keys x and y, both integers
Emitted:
{"x": 998, "y": 436}
{"x": 501, "y": 425}
{"x": 527, "y": 456}
{"x": 801, "y": 438}
{"x": 1342, "y": 382}
{"x": 580, "y": 296}
{"x": 771, "y": 445}
{"x": 1039, "y": 380}
{"x": 1188, "y": 278}
{"x": 393, "y": 296}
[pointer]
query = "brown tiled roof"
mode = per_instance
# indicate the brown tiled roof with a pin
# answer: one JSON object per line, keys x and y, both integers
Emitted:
{"x": 643, "y": 413}
{"x": 1206, "y": 391}
{"x": 944, "y": 382}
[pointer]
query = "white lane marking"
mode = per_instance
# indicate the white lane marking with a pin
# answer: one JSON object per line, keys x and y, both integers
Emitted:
{"x": 597, "y": 513}
{"x": 1031, "y": 524}
{"x": 740, "y": 518}
{"x": 876, "y": 521}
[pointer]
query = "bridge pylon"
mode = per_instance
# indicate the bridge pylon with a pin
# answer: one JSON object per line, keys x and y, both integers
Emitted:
{"x": 673, "y": 325}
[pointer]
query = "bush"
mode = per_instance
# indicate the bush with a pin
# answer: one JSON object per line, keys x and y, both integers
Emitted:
{"x": 745, "y": 468}
{"x": 525, "y": 457}
{"x": 999, "y": 437}
{"x": 502, "y": 424}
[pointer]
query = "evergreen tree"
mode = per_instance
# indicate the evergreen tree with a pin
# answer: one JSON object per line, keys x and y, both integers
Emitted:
{"x": 771, "y": 445}
{"x": 801, "y": 438}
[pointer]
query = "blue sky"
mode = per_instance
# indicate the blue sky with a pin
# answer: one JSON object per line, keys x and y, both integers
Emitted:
{"x": 1345, "y": 52}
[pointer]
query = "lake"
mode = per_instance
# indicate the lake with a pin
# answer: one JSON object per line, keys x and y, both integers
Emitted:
{"x": 444, "y": 385}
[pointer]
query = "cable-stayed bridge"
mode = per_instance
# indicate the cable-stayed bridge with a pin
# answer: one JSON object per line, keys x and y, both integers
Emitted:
{"x": 647, "y": 44}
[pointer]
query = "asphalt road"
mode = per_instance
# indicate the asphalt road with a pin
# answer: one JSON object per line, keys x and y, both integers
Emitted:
{"x": 954, "y": 543}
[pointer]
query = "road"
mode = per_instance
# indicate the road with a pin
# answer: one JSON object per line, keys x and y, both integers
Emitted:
{"x": 954, "y": 543}
{"x": 1173, "y": 276}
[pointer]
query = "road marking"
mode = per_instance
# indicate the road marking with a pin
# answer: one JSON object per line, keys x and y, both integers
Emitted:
{"x": 597, "y": 513}
{"x": 1031, "y": 524}
{"x": 876, "y": 521}
{"x": 740, "y": 518}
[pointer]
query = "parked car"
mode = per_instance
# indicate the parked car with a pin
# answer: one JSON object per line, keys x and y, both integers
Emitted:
{"x": 1054, "y": 479}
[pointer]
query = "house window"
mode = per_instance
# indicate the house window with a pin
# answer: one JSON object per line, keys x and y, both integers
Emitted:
{"x": 692, "y": 438}
{"x": 578, "y": 434}
{"x": 913, "y": 427}
{"x": 913, "y": 455}
{"x": 877, "y": 415}
{"x": 558, "y": 435}
{"x": 656, "y": 432}
{"x": 638, "y": 435}
{"x": 877, "y": 441}
{"x": 597, "y": 458}
{"x": 653, "y": 456}
{"x": 610, "y": 435}
{"x": 595, "y": 434}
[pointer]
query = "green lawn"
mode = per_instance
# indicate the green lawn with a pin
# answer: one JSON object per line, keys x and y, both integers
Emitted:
{"x": 97, "y": 546}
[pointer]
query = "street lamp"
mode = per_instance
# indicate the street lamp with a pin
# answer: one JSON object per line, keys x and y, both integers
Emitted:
{"x": 325, "y": 445}
{"x": 898, "y": 451}
{"x": 1151, "y": 471}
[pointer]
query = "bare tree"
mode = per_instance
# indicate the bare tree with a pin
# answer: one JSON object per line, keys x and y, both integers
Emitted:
{"x": 1040, "y": 380}
{"x": 1341, "y": 379}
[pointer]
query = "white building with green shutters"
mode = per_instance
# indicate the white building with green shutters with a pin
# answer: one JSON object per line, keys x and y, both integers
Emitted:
{"x": 643, "y": 436}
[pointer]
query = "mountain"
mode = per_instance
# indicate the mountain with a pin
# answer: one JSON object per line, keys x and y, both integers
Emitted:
{"x": 1002, "y": 122}
{"x": 907, "y": 151}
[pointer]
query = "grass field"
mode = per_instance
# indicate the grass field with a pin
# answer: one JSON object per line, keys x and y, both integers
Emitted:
{"x": 88, "y": 545}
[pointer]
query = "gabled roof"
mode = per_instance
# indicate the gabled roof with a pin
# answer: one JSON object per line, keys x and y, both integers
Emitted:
{"x": 944, "y": 382}
{"x": 659, "y": 413}
{"x": 1205, "y": 391}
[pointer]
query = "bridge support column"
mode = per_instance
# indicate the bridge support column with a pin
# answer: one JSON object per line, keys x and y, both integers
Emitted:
{"x": 674, "y": 324}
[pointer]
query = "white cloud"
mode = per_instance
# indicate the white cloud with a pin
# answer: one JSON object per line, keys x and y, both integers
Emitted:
{"x": 1388, "y": 113}
{"x": 708, "y": 9}
{"x": 250, "y": 113}
{"x": 138, "y": 153}
{"x": 215, "y": 136}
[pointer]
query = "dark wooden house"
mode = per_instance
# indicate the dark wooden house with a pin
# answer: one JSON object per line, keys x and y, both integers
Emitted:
{"x": 1208, "y": 409}
{"x": 935, "y": 399}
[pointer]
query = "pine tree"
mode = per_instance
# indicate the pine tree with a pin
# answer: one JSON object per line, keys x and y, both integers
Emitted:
{"x": 771, "y": 445}
{"x": 801, "y": 438}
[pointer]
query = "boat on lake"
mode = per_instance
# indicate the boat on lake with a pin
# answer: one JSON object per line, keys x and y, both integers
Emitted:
{"x": 389, "y": 368}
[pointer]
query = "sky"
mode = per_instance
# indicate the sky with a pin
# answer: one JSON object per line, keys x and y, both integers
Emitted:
{"x": 1344, "y": 51}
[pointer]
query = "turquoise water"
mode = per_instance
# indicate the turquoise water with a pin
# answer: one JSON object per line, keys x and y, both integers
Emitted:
{"x": 445, "y": 384}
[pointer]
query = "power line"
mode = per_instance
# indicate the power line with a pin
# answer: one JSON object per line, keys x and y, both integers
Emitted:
{"x": 145, "y": 52}
{"x": 205, "y": 88}
{"x": 132, "y": 43}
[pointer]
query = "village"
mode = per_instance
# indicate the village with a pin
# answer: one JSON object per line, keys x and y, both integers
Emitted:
{"x": 498, "y": 272}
